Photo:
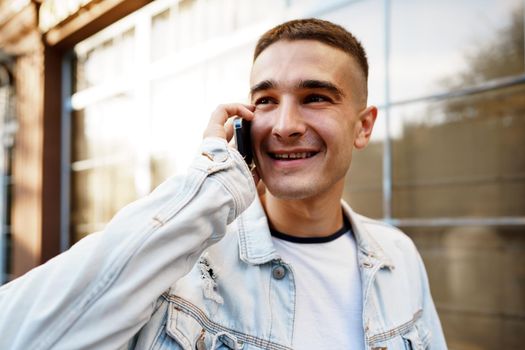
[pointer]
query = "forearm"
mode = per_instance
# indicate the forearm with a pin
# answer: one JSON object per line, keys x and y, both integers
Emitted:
{"x": 100, "y": 292}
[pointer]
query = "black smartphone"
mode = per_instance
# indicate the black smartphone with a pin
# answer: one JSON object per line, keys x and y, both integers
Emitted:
{"x": 241, "y": 131}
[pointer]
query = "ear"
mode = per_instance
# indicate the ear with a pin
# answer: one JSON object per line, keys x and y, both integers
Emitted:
{"x": 364, "y": 126}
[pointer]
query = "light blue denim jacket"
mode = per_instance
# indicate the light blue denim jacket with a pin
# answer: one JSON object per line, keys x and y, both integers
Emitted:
{"x": 192, "y": 266}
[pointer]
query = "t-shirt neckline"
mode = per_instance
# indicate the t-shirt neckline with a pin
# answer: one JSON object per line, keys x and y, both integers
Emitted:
{"x": 309, "y": 240}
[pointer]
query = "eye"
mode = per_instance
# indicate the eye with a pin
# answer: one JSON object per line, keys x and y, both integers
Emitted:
{"x": 316, "y": 99}
{"x": 263, "y": 101}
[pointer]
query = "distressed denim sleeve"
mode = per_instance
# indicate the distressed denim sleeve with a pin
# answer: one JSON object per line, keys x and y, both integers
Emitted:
{"x": 100, "y": 292}
{"x": 430, "y": 316}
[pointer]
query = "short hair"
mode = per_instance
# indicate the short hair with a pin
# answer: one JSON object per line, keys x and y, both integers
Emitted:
{"x": 319, "y": 30}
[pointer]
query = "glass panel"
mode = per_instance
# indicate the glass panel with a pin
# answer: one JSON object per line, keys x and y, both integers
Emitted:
{"x": 475, "y": 275}
{"x": 104, "y": 136}
{"x": 220, "y": 17}
{"x": 161, "y": 40}
{"x": 251, "y": 12}
{"x": 198, "y": 21}
{"x": 107, "y": 128}
{"x": 461, "y": 156}
{"x": 177, "y": 119}
{"x": 365, "y": 20}
{"x": 98, "y": 194}
{"x": 227, "y": 77}
{"x": 188, "y": 24}
{"x": 474, "y": 42}
{"x": 110, "y": 62}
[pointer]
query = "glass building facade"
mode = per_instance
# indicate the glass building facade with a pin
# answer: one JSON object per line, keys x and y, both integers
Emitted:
{"x": 446, "y": 163}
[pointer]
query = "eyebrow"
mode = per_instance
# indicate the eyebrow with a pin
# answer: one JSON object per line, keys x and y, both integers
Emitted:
{"x": 261, "y": 86}
{"x": 321, "y": 84}
{"x": 303, "y": 84}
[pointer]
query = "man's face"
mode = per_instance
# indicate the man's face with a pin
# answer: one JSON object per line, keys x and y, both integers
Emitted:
{"x": 310, "y": 113}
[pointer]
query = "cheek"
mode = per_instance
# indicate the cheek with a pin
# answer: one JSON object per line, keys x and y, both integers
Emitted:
{"x": 337, "y": 135}
{"x": 261, "y": 124}
{"x": 258, "y": 131}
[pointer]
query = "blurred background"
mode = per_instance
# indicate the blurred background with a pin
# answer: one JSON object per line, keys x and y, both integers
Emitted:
{"x": 101, "y": 100}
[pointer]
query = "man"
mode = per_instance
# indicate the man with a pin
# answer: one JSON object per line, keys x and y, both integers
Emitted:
{"x": 197, "y": 265}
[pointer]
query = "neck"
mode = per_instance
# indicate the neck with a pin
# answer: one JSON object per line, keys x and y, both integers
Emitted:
{"x": 316, "y": 216}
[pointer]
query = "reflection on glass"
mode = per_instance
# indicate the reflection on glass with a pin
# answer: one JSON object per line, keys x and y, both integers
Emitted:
{"x": 109, "y": 62}
{"x": 187, "y": 30}
{"x": 177, "y": 117}
{"x": 97, "y": 194}
{"x": 104, "y": 129}
{"x": 103, "y": 166}
{"x": 438, "y": 45}
{"x": 219, "y": 25}
{"x": 475, "y": 274}
{"x": 227, "y": 76}
{"x": 461, "y": 156}
{"x": 250, "y": 12}
{"x": 161, "y": 38}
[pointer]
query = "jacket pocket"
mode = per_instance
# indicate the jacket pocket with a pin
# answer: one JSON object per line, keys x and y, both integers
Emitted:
{"x": 189, "y": 334}
{"x": 184, "y": 329}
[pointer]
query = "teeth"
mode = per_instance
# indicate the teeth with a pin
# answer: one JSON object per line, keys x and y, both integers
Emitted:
{"x": 299, "y": 155}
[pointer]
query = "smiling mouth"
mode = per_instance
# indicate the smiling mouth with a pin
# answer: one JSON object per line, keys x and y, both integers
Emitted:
{"x": 292, "y": 156}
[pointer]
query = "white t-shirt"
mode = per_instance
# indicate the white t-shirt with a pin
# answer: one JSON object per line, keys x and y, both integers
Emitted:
{"x": 328, "y": 290}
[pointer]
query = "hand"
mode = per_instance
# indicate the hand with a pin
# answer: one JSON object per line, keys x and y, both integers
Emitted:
{"x": 219, "y": 125}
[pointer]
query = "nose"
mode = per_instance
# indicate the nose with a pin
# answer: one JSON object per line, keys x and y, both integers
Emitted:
{"x": 288, "y": 123}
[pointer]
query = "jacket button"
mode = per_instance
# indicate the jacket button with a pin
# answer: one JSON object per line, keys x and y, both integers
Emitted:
{"x": 201, "y": 345}
{"x": 279, "y": 272}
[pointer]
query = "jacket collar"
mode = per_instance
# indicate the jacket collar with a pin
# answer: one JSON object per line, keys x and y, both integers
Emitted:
{"x": 256, "y": 246}
{"x": 366, "y": 243}
{"x": 255, "y": 241}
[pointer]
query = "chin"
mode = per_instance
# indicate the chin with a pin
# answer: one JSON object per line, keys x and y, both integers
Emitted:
{"x": 292, "y": 191}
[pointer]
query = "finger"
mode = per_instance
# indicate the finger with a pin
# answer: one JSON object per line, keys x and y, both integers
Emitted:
{"x": 239, "y": 109}
{"x": 221, "y": 115}
{"x": 250, "y": 107}
{"x": 228, "y": 128}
